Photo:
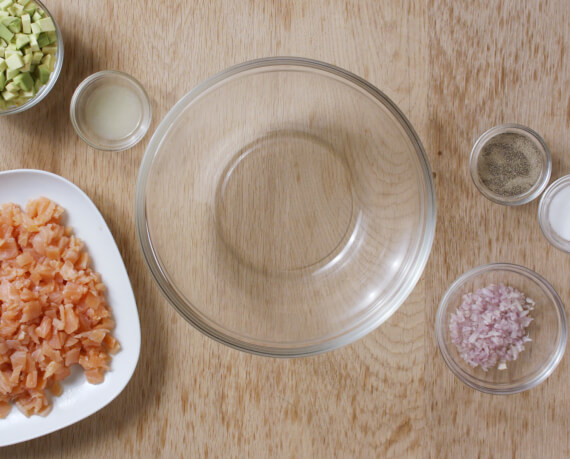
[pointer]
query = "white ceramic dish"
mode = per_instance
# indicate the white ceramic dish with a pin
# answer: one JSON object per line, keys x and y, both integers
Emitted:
{"x": 79, "y": 399}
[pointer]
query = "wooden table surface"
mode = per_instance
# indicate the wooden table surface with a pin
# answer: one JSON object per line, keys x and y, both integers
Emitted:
{"x": 455, "y": 68}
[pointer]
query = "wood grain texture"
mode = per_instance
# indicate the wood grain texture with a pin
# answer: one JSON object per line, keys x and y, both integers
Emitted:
{"x": 455, "y": 69}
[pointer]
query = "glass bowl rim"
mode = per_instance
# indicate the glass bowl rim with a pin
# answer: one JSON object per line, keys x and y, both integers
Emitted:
{"x": 192, "y": 314}
{"x": 45, "y": 89}
{"x": 468, "y": 379}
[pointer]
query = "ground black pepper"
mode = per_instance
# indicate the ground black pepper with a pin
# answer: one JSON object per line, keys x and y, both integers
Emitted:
{"x": 509, "y": 164}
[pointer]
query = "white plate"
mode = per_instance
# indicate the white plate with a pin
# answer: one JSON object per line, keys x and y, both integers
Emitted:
{"x": 79, "y": 399}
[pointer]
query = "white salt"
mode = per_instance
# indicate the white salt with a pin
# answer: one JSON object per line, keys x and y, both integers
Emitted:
{"x": 559, "y": 213}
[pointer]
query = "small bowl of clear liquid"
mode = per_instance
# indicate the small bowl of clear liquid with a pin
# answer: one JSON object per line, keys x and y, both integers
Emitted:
{"x": 111, "y": 111}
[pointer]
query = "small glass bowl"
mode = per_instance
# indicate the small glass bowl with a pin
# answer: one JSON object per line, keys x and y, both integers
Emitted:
{"x": 79, "y": 102}
{"x": 46, "y": 88}
{"x": 548, "y": 330}
{"x": 543, "y": 210}
{"x": 542, "y": 180}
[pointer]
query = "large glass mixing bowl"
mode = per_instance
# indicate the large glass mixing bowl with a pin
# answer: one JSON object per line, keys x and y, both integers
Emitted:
{"x": 285, "y": 207}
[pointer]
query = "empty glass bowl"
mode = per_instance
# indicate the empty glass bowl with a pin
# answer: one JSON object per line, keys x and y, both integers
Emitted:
{"x": 548, "y": 330}
{"x": 285, "y": 207}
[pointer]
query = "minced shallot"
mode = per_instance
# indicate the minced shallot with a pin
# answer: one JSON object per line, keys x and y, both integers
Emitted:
{"x": 490, "y": 327}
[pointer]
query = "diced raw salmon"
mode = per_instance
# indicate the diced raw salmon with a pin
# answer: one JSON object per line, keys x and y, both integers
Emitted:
{"x": 72, "y": 356}
{"x": 5, "y": 409}
{"x": 53, "y": 311}
{"x": 31, "y": 311}
{"x": 44, "y": 329}
{"x": 32, "y": 379}
{"x": 95, "y": 375}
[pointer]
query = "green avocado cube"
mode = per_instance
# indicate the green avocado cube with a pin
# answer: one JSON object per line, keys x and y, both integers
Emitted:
{"x": 12, "y": 87}
{"x": 47, "y": 60}
{"x": 2, "y": 52}
{"x": 2, "y": 81}
{"x": 52, "y": 37}
{"x": 17, "y": 9}
{"x": 7, "y": 95}
{"x": 5, "y": 4}
{"x": 7, "y": 19}
{"x": 26, "y": 23}
{"x": 25, "y": 81}
{"x": 27, "y": 63}
{"x": 36, "y": 29}
{"x": 4, "y": 14}
{"x": 16, "y": 25}
{"x": 49, "y": 50}
{"x": 5, "y": 33}
{"x": 11, "y": 73}
{"x": 36, "y": 16}
{"x": 43, "y": 74}
{"x": 23, "y": 2}
{"x": 22, "y": 40}
{"x": 43, "y": 40}
{"x": 46, "y": 24}
{"x": 9, "y": 52}
{"x": 37, "y": 57}
{"x": 3, "y": 65}
{"x": 14, "y": 62}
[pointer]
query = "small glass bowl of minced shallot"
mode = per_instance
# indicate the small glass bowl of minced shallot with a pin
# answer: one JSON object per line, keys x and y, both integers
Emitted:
{"x": 501, "y": 328}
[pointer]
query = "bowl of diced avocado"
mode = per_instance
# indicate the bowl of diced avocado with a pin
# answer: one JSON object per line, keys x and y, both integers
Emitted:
{"x": 31, "y": 54}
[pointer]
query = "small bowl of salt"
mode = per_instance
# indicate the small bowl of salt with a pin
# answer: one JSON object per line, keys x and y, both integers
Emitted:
{"x": 510, "y": 164}
{"x": 554, "y": 214}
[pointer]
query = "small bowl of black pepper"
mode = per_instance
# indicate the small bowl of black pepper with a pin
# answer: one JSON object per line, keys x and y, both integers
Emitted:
{"x": 510, "y": 164}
